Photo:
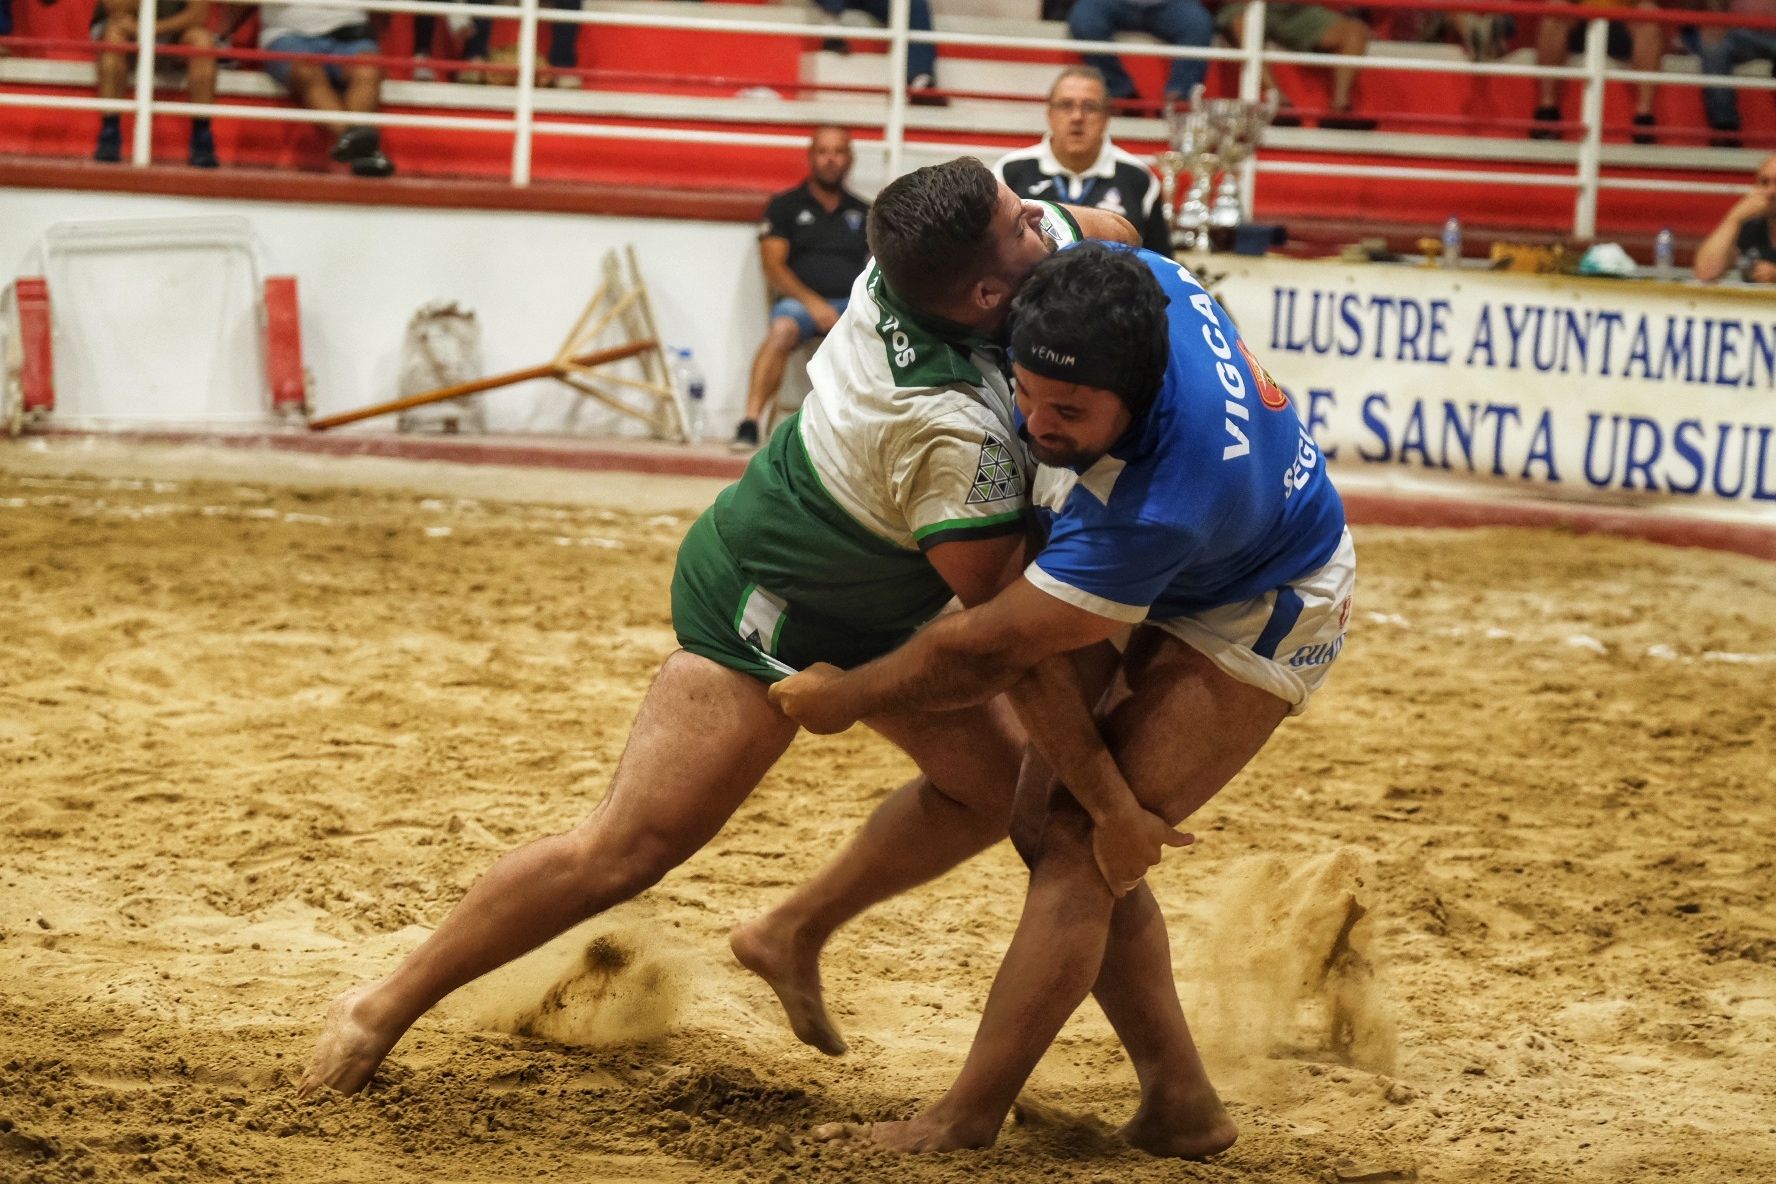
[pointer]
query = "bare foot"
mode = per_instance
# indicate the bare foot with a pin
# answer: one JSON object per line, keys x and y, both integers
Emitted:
{"x": 1193, "y": 1130}
{"x": 794, "y": 975}
{"x": 349, "y": 1048}
{"x": 916, "y": 1136}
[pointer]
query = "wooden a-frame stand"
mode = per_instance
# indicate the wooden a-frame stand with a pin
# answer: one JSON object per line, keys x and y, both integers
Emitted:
{"x": 620, "y": 301}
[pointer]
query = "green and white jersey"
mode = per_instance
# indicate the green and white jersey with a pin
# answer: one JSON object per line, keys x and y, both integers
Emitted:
{"x": 905, "y": 442}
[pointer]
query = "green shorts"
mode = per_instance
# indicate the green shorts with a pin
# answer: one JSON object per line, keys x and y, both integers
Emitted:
{"x": 1297, "y": 27}
{"x": 720, "y": 613}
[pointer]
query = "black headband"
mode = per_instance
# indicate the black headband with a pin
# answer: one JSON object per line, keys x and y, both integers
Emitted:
{"x": 1067, "y": 362}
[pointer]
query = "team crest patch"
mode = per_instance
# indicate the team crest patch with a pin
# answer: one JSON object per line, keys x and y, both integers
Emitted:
{"x": 1113, "y": 202}
{"x": 854, "y": 220}
{"x": 1269, "y": 393}
{"x": 996, "y": 477}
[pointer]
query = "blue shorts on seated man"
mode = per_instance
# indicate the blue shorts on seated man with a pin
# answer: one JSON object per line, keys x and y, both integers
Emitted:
{"x": 340, "y": 89}
{"x": 798, "y": 312}
{"x": 351, "y": 46}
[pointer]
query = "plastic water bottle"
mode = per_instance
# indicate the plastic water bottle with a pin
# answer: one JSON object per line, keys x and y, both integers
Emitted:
{"x": 1663, "y": 253}
{"x": 1452, "y": 241}
{"x": 690, "y": 381}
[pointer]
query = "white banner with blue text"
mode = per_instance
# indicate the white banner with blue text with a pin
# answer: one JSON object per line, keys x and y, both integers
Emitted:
{"x": 1419, "y": 380}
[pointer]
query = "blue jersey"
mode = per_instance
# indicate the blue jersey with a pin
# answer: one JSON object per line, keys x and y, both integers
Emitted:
{"x": 1216, "y": 496}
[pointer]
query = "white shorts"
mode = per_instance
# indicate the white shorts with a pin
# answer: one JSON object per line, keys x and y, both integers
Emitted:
{"x": 1284, "y": 641}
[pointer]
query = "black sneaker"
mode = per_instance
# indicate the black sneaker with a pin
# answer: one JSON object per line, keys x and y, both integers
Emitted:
{"x": 110, "y": 147}
{"x": 355, "y": 142}
{"x": 202, "y": 154}
{"x": 1645, "y": 120}
{"x": 374, "y": 164}
{"x": 1545, "y": 115}
{"x": 1345, "y": 121}
{"x": 746, "y": 436}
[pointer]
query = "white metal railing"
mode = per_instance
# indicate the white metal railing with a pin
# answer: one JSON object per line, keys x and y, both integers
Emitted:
{"x": 523, "y": 123}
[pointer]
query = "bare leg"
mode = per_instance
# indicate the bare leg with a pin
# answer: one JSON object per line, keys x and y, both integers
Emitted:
{"x": 1550, "y": 50}
{"x": 200, "y": 73}
{"x": 703, "y": 738}
{"x": 1646, "y": 52}
{"x": 363, "y": 86}
{"x": 1060, "y": 950}
{"x": 113, "y": 66}
{"x": 1351, "y": 38}
{"x": 960, "y": 807}
{"x": 1180, "y": 1114}
{"x": 769, "y": 363}
{"x": 310, "y": 84}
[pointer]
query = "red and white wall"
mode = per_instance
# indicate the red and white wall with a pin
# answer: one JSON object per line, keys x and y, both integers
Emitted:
{"x": 362, "y": 271}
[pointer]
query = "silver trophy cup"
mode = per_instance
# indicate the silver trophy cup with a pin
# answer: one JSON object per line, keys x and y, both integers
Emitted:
{"x": 1195, "y": 150}
{"x": 1211, "y": 139}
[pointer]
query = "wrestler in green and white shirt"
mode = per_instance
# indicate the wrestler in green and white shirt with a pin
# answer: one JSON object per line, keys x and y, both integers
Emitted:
{"x": 898, "y": 484}
{"x": 905, "y": 442}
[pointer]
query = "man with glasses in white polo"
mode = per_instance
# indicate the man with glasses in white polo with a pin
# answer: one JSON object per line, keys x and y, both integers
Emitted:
{"x": 1077, "y": 164}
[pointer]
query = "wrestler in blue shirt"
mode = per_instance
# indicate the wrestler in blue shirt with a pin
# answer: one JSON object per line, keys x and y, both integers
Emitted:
{"x": 1182, "y": 496}
{"x": 1216, "y": 494}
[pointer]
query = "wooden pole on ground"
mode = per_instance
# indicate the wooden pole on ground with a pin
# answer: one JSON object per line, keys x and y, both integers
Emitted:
{"x": 556, "y": 369}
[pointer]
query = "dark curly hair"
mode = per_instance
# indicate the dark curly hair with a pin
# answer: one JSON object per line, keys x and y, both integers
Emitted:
{"x": 1099, "y": 310}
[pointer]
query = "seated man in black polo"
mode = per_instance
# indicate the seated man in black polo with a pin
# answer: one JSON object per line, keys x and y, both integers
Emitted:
{"x": 1077, "y": 164}
{"x": 1743, "y": 238}
{"x": 813, "y": 247}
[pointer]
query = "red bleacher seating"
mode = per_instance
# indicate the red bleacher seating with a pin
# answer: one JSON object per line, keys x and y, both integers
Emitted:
{"x": 684, "y": 62}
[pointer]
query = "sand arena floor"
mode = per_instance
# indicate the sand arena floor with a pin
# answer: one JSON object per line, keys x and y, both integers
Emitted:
{"x": 255, "y": 738}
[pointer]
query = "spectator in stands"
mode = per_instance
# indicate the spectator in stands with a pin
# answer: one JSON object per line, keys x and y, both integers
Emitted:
{"x": 812, "y": 245}
{"x": 1175, "y": 22}
{"x": 1311, "y": 28}
{"x": 1744, "y": 237}
{"x": 177, "y": 22}
{"x": 1483, "y": 37}
{"x": 1641, "y": 43}
{"x": 475, "y": 33}
{"x": 921, "y": 63}
{"x": 1077, "y": 164}
{"x": 1723, "y": 50}
{"x": 563, "y": 53}
{"x": 564, "y": 46}
{"x": 338, "y": 89}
